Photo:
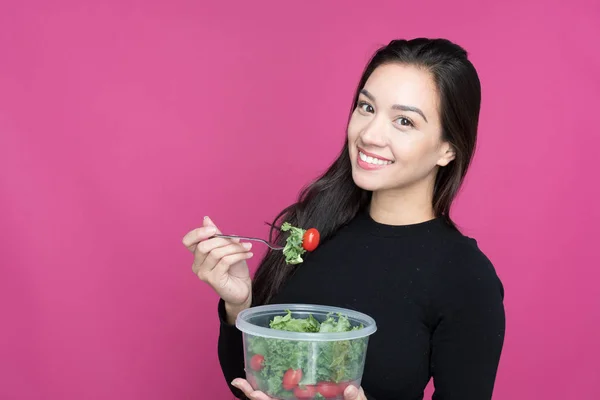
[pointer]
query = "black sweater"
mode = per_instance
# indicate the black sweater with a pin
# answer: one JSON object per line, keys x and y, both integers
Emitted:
{"x": 434, "y": 295}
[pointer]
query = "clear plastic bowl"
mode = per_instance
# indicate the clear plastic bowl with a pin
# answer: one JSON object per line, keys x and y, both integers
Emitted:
{"x": 298, "y": 365}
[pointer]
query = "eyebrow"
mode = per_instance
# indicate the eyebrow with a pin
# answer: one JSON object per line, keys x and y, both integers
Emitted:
{"x": 397, "y": 106}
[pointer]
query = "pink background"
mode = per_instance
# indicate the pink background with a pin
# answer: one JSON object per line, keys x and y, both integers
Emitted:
{"x": 123, "y": 123}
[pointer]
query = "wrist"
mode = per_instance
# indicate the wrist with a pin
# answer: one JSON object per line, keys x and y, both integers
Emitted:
{"x": 232, "y": 310}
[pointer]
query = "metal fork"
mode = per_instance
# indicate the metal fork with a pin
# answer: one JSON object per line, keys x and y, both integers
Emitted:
{"x": 270, "y": 245}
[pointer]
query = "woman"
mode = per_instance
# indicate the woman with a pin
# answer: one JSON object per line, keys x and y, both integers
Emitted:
{"x": 388, "y": 245}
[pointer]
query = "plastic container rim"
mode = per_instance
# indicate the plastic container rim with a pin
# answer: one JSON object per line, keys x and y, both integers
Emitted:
{"x": 243, "y": 325}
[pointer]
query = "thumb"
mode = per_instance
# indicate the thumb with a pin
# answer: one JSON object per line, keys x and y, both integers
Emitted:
{"x": 351, "y": 393}
{"x": 209, "y": 222}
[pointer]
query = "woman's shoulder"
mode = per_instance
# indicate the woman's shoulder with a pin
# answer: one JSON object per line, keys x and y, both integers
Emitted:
{"x": 463, "y": 265}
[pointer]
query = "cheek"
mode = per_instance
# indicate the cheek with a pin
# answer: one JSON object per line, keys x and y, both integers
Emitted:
{"x": 406, "y": 149}
{"x": 413, "y": 153}
{"x": 353, "y": 130}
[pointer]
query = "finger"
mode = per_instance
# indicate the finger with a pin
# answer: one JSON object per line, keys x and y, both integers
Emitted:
{"x": 209, "y": 222}
{"x": 361, "y": 394}
{"x": 216, "y": 255}
{"x": 207, "y": 230}
{"x": 192, "y": 238}
{"x": 354, "y": 393}
{"x": 204, "y": 248}
{"x": 205, "y": 263}
{"x": 245, "y": 387}
{"x": 223, "y": 266}
{"x": 209, "y": 245}
{"x": 256, "y": 395}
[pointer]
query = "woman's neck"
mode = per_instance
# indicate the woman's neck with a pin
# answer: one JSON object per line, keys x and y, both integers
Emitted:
{"x": 401, "y": 207}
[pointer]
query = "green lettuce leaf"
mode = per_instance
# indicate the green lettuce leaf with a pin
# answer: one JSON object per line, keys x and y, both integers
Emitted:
{"x": 293, "y": 249}
{"x": 287, "y": 323}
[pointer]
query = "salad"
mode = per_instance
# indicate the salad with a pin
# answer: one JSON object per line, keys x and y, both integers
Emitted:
{"x": 288, "y": 369}
{"x": 299, "y": 242}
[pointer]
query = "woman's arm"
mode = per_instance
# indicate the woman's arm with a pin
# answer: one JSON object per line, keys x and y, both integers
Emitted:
{"x": 231, "y": 351}
{"x": 469, "y": 336}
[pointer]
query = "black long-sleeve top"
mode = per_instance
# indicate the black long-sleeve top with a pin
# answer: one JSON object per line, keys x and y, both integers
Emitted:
{"x": 434, "y": 295}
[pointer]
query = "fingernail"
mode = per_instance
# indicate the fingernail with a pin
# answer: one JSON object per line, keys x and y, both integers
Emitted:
{"x": 351, "y": 391}
{"x": 247, "y": 246}
{"x": 205, "y": 217}
{"x": 235, "y": 383}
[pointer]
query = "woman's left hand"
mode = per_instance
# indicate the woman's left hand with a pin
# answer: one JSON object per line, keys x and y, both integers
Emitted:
{"x": 351, "y": 392}
{"x": 245, "y": 387}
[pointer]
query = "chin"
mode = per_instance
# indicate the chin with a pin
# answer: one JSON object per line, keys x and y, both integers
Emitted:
{"x": 365, "y": 182}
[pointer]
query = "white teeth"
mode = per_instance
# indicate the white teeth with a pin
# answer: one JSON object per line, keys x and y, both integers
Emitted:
{"x": 372, "y": 160}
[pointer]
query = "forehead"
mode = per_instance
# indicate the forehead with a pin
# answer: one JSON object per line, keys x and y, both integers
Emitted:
{"x": 403, "y": 84}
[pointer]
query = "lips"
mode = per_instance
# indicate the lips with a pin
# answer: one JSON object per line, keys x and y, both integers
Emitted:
{"x": 372, "y": 158}
{"x": 370, "y": 163}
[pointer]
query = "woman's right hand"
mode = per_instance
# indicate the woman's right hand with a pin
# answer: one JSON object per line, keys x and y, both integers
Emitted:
{"x": 222, "y": 264}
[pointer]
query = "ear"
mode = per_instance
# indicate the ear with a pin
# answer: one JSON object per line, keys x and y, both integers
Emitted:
{"x": 447, "y": 154}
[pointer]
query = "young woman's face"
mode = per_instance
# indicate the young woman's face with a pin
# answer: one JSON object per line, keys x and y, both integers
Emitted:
{"x": 394, "y": 134}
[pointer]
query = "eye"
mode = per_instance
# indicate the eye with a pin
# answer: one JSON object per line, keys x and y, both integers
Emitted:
{"x": 366, "y": 107}
{"x": 403, "y": 121}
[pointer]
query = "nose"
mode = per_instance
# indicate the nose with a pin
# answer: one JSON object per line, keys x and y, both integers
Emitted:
{"x": 374, "y": 133}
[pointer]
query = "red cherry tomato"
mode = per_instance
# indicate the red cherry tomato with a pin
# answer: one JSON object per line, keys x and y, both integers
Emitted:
{"x": 343, "y": 385}
{"x": 305, "y": 392}
{"x": 329, "y": 390}
{"x": 310, "y": 240}
{"x": 257, "y": 362}
{"x": 291, "y": 378}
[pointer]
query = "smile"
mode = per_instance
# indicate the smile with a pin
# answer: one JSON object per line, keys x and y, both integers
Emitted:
{"x": 373, "y": 160}
{"x": 370, "y": 161}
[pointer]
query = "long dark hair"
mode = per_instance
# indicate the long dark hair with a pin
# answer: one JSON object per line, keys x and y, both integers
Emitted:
{"x": 333, "y": 200}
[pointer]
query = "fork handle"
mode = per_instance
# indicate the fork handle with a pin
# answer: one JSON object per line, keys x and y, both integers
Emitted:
{"x": 249, "y": 238}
